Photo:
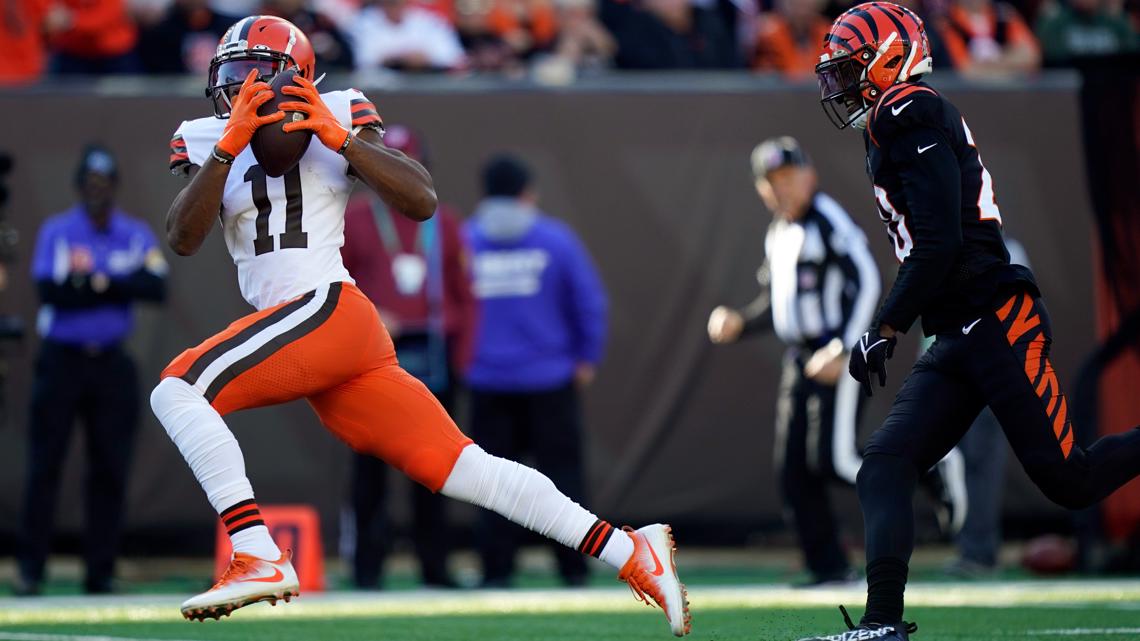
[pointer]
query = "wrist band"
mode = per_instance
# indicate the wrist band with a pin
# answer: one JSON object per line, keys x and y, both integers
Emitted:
{"x": 222, "y": 157}
{"x": 347, "y": 142}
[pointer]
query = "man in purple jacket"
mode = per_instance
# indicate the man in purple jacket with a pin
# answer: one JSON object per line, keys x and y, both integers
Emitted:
{"x": 541, "y": 333}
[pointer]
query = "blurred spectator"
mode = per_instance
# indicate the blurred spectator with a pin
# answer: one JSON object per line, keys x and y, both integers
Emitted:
{"x": 1081, "y": 28}
{"x": 397, "y": 34}
{"x": 930, "y": 11}
{"x": 985, "y": 38}
{"x": 503, "y": 33}
{"x": 582, "y": 39}
{"x": 417, "y": 275}
{"x": 91, "y": 37}
{"x": 21, "y": 38}
{"x": 91, "y": 262}
{"x": 788, "y": 39}
{"x": 542, "y": 327}
{"x": 334, "y": 53}
{"x": 185, "y": 39}
{"x": 669, "y": 34}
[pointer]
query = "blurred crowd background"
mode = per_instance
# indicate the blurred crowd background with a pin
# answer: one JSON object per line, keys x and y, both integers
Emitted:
{"x": 554, "y": 38}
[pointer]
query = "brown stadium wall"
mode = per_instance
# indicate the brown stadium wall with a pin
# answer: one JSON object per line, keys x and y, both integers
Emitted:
{"x": 658, "y": 185}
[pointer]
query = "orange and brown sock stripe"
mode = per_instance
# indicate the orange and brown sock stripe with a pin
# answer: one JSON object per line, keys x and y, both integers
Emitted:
{"x": 241, "y": 516}
{"x": 596, "y": 538}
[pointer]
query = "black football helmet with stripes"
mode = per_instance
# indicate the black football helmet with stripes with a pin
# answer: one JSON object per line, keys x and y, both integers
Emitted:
{"x": 266, "y": 43}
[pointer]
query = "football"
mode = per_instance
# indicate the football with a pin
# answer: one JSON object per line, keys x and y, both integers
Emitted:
{"x": 276, "y": 151}
{"x": 1049, "y": 554}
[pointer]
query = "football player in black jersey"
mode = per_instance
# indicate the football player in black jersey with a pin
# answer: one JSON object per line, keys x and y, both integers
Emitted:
{"x": 936, "y": 200}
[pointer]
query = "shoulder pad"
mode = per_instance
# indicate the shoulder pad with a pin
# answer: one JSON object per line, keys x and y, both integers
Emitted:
{"x": 903, "y": 107}
{"x": 353, "y": 108}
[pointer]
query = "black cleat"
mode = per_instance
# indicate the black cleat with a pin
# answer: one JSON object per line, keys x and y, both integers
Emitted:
{"x": 869, "y": 631}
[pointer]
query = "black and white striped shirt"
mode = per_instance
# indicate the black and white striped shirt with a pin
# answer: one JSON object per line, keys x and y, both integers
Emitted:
{"x": 819, "y": 280}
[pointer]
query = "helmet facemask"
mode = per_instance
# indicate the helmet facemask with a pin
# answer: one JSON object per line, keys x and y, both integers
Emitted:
{"x": 843, "y": 86}
{"x": 228, "y": 72}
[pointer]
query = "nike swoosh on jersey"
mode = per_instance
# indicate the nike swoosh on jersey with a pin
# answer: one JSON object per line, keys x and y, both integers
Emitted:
{"x": 926, "y": 148}
{"x": 660, "y": 569}
{"x": 898, "y": 110}
{"x": 276, "y": 576}
{"x": 966, "y": 328}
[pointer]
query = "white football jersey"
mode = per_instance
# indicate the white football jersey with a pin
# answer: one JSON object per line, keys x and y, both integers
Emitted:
{"x": 284, "y": 233}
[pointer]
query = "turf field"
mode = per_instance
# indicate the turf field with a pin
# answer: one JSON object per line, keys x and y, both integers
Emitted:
{"x": 1032, "y": 610}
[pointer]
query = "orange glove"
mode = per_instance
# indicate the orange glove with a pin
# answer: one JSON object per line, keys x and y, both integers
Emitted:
{"x": 319, "y": 119}
{"x": 243, "y": 116}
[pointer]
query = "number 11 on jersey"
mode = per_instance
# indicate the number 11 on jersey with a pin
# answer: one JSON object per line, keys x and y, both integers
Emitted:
{"x": 293, "y": 237}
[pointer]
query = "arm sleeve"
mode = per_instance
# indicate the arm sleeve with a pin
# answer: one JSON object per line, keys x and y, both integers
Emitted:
{"x": 758, "y": 314}
{"x": 933, "y": 191}
{"x": 179, "y": 153}
{"x": 849, "y": 246}
{"x": 587, "y": 302}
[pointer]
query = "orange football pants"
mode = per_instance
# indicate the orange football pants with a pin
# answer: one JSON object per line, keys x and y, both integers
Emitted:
{"x": 329, "y": 347}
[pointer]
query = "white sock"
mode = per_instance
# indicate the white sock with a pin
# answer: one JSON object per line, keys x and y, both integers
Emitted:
{"x": 618, "y": 549}
{"x": 213, "y": 454}
{"x": 529, "y": 498}
{"x": 256, "y": 541}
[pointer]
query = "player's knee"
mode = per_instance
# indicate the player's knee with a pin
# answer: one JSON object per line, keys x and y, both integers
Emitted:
{"x": 884, "y": 474}
{"x": 169, "y": 394}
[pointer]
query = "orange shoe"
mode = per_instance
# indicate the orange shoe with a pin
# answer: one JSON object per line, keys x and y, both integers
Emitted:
{"x": 247, "y": 580}
{"x": 647, "y": 575}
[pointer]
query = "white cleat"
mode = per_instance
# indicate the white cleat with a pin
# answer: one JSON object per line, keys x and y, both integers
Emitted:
{"x": 647, "y": 573}
{"x": 247, "y": 580}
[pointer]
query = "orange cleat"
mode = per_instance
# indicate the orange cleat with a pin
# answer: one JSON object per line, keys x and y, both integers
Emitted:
{"x": 648, "y": 575}
{"x": 247, "y": 580}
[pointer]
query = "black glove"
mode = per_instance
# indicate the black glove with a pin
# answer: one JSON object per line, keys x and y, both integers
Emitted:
{"x": 869, "y": 357}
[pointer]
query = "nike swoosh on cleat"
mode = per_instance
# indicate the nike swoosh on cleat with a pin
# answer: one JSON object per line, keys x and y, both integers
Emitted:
{"x": 276, "y": 576}
{"x": 966, "y": 328}
{"x": 898, "y": 110}
{"x": 660, "y": 569}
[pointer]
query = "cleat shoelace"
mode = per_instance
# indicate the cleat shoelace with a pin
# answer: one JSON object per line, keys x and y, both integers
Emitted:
{"x": 239, "y": 565}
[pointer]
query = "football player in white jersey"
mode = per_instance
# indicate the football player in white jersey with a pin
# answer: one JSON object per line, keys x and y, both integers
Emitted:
{"x": 315, "y": 336}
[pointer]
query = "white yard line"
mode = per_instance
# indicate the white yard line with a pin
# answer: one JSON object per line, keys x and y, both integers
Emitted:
{"x": 28, "y": 636}
{"x": 1078, "y": 632}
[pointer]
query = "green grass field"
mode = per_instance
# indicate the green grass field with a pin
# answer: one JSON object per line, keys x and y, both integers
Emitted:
{"x": 1090, "y": 611}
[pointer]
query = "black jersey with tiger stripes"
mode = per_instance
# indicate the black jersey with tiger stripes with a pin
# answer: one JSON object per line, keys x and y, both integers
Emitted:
{"x": 937, "y": 201}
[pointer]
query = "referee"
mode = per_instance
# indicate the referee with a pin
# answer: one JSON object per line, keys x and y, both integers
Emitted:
{"x": 91, "y": 262}
{"x": 819, "y": 291}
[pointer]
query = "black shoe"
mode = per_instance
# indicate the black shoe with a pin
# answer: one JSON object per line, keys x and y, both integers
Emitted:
{"x": 495, "y": 583}
{"x": 870, "y": 631}
{"x": 26, "y": 587}
{"x": 99, "y": 587}
{"x": 444, "y": 582}
{"x": 575, "y": 580}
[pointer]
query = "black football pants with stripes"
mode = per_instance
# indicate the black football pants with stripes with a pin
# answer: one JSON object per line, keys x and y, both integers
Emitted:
{"x": 99, "y": 390}
{"x": 1001, "y": 360}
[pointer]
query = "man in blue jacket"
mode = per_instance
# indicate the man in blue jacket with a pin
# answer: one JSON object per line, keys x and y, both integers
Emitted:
{"x": 541, "y": 333}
